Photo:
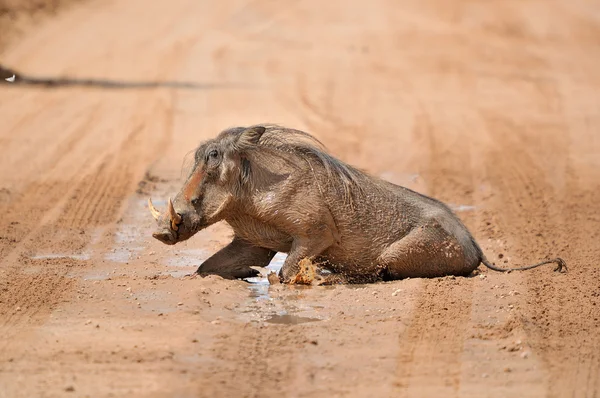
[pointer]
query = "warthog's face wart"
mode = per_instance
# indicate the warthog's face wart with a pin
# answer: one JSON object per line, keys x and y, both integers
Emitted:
{"x": 211, "y": 189}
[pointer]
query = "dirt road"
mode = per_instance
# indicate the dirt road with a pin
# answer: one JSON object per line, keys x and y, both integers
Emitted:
{"x": 493, "y": 108}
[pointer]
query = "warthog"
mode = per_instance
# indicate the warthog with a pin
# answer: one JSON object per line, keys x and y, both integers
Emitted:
{"x": 280, "y": 191}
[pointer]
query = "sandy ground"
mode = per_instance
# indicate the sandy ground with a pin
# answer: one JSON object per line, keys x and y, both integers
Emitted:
{"x": 492, "y": 107}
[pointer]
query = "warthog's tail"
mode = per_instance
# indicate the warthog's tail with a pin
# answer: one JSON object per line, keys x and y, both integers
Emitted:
{"x": 561, "y": 266}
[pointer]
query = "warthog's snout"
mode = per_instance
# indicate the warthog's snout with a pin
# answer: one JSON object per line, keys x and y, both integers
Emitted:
{"x": 165, "y": 236}
{"x": 168, "y": 223}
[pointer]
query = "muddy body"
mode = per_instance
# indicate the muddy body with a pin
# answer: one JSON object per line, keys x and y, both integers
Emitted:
{"x": 281, "y": 192}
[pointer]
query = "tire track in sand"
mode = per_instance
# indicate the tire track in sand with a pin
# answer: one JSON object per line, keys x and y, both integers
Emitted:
{"x": 431, "y": 347}
{"x": 24, "y": 210}
{"x": 258, "y": 361}
{"x": 429, "y": 363}
{"x": 562, "y": 312}
{"x": 34, "y": 286}
{"x": 27, "y": 214}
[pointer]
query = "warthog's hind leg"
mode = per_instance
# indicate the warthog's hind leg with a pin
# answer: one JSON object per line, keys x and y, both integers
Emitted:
{"x": 234, "y": 260}
{"x": 428, "y": 251}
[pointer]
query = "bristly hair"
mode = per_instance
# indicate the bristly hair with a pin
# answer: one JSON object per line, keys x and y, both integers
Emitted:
{"x": 281, "y": 141}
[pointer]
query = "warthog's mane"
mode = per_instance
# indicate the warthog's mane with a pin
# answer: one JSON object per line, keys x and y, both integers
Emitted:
{"x": 295, "y": 148}
{"x": 292, "y": 145}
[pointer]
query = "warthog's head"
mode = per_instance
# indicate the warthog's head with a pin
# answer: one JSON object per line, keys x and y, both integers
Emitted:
{"x": 220, "y": 171}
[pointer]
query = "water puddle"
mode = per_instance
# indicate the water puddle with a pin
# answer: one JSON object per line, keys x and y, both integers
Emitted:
{"x": 259, "y": 285}
{"x": 125, "y": 246}
{"x": 279, "y": 304}
{"x": 287, "y": 319}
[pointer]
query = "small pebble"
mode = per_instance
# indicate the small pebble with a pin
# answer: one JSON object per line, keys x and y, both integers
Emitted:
{"x": 216, "y": 322}
{"x": 180, "y": 303}
{"x": 88, "y": 321}
{"x": 482, "y": 276}
{"x": 525, "y": 354}
{"x": 396, "y": 292}
{"x": 69, "y": 389}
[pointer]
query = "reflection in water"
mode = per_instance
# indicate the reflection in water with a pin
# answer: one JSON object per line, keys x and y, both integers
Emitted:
{"x": 259, "y": 285}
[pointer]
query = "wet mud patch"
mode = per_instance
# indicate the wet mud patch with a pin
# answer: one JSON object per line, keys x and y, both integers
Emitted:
{"x": 259, "y": 285}
{"x": 285, "y": 304}
{"x": 127, "y": 244}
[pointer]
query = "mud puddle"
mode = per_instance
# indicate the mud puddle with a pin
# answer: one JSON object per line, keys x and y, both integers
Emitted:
{"x": 259, "y": 285}
{"x": 280, "y": 304}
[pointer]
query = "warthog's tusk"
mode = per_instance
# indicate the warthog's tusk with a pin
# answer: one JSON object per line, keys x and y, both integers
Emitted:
{"x": 155, "y": 213}
{"x": 175, "y": 218}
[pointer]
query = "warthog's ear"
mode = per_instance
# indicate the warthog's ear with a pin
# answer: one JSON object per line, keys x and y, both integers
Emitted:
{"x": 250, "y": 136}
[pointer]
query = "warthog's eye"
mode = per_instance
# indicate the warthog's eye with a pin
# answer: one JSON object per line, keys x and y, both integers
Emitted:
{"x": 213, "y": 159}
{"x": 195, "y": 202}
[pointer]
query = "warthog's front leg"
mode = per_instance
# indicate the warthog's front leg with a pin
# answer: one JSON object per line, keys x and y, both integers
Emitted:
{"x": 304, "y": 247}
{"x": 234, "y": 260}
